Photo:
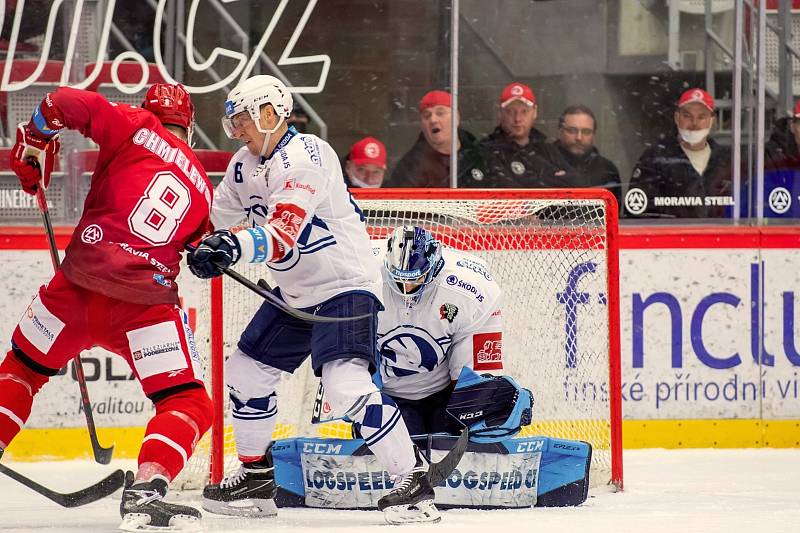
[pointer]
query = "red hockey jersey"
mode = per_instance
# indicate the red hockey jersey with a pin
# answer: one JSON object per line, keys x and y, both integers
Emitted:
{"x": 149, "y": 196}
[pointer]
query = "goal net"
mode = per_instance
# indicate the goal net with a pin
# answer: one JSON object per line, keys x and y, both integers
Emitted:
{"x": 554, "y": 254}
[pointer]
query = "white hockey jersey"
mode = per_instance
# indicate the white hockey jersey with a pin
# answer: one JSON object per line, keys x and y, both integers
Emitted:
{"x": 300, "y": 192}
{"x": 456, "y": 323}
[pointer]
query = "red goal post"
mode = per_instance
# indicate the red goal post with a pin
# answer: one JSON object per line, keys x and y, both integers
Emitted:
{"x": 555, "y": 254}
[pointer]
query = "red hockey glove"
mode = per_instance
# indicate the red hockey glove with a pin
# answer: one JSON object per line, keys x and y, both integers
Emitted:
{"x": 33, "y": 158}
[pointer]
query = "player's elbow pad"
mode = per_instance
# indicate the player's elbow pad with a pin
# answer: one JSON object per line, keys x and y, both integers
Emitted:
{"x": 256, "y": 244}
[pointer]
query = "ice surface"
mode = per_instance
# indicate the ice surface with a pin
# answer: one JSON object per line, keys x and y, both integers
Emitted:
{"x": 731, "y": 491}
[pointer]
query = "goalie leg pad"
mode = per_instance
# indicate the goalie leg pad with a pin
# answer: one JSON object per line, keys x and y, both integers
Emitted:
{"x": 19, "y": 383}
{"x": 181, "y": 419}
{"x": 348, "y": 384}
{"x": 251, "y": 386}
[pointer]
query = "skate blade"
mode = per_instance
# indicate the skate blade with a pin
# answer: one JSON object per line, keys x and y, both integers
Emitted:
{"x": 249, "y": 508}
{"x": 424, "y": 511}
{"x": 141, "y": 522}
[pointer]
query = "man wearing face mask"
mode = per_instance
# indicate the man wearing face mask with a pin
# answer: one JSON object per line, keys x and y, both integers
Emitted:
{"x": 365, "y": 165}
{"x": 688, "y": 176}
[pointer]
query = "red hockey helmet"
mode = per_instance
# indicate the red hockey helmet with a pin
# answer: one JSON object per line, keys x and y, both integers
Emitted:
{"x": 171, "y": 104}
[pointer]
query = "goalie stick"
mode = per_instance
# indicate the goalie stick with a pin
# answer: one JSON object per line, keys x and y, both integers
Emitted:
{"x": 101, "y": 455}
{"x": 105, "y": 487}
{"x": 438, "y": 472}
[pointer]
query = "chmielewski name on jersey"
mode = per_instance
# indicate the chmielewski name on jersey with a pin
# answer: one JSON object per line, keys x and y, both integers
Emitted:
{"x": 153, "y": 142}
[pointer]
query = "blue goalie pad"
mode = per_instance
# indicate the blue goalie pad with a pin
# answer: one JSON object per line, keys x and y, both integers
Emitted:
{"x": 494, "y": 407}
{"x": 515, "y": 473}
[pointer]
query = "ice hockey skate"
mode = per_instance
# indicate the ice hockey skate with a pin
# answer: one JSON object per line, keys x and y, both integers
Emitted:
{"x": 411, "y": 500}
{"x": 250, "y": 492}
{"x": 143, "y": 509}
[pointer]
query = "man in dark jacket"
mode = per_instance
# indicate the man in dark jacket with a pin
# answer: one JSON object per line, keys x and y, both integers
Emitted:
{"x": 685, "y": 177}
{"x": 427, "y": 163}
{"x": 574, "y": 152}
{"x": 514, "y": 150}
{"x": 781, "y": 171}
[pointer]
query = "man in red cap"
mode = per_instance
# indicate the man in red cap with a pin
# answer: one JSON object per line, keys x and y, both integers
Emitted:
{"x": 515, "y": 148}
{"x": 427, "y": 163}
{"x": 365, "y": 165}
{"x": 685, "y": 176}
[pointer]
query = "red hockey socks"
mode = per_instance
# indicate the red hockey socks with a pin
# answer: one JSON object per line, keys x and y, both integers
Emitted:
{"x": 180, "y": 420}
{"x": 18, "y": 385}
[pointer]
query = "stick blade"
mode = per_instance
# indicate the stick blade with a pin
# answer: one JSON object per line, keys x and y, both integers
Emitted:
{"x": 101, "y": 489}
{"x": 438, "y": 472}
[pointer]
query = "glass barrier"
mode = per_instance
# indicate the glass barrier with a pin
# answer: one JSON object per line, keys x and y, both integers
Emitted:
{"x": 634, "y": 96}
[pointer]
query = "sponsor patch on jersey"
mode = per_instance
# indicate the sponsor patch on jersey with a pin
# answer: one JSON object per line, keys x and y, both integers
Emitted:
{"x": 476, "y": 267}
{"x": 455, "y": 281}
{"x": 448, "y": 312}
{"x": 40, "y": 326}
{"x": 487, "y": 351}
{"x": 161, "y": 280}
{"x": 287, "y": 218}
{"x": 92, "y": 234}
{"x": 156, "y": 350}
{"x": 293, "y": 185}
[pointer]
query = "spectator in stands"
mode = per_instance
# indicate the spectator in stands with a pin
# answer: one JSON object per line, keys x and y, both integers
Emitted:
{"x": 781, "y": 170}
{"x": 299, "y": 119}
{"x": 30, "y": 28}
{"x": 427, "y": 163}
{"x": 514, "y": 150}
{"x": 365, "y": 164}
{"x": 688, "y": 175}
{"x": 575, "y": 152}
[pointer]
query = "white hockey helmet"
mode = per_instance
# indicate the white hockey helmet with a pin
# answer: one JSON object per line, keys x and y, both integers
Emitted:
{"x": 253, "y": 93}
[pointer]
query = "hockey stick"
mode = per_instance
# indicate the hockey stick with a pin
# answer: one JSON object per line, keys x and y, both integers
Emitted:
{"x": 438, "y": 472}
{"x": 101, "y": 455}
{"x": 280, "y": 304}
{"x": 101, "y": 489}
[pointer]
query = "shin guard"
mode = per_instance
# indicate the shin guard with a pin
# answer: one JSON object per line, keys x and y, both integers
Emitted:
{"x": 171, "y": 435}
{"x": 18, "y": 385}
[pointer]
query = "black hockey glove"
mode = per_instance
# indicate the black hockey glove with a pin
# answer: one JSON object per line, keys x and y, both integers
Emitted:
{"x": 216, "y": 251}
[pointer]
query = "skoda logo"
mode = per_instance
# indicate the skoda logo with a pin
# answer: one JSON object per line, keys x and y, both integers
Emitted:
{"x": 780, "y": 200}
{"x": 452, "y": 280}
{"x": 636, "y": 201}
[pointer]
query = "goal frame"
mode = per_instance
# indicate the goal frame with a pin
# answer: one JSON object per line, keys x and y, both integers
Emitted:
{"x": 217, "y": 385}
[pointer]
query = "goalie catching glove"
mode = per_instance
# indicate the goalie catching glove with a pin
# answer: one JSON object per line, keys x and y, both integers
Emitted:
{"x": 493, "y": 407}
{"x": 219, "y": 250}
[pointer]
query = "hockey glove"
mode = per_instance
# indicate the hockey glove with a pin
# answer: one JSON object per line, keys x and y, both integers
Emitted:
{"x": 214, "y": 252}
{"x": 33, "y": 157}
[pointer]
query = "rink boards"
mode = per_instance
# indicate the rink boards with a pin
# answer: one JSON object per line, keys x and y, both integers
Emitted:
{"x": 710, "y": 344}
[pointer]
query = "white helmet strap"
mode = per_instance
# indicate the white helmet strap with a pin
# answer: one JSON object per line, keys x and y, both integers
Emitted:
{"x": 267, "y": 132}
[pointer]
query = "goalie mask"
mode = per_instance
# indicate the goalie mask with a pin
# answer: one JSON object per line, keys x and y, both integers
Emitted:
{"x": 249, "y": 96}
{"x": 172, "y": 105}
{"x": 493, "y": 407}
{"x": 413, "y": 259}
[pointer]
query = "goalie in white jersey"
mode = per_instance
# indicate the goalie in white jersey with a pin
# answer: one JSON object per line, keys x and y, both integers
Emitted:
{"x": 442, "y": 313}
{"x": 306, "y": 228}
